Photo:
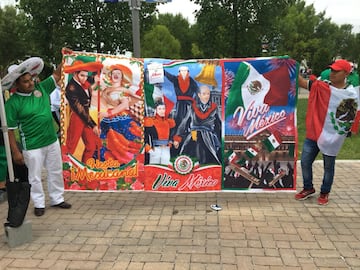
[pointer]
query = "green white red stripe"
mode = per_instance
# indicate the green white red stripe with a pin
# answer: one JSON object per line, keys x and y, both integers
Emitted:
{"x": 232, "y": 157}
{"x": 272, "y": 142}
{"x": 78, "y": 164}
{"x": 329, "y": 123}
{"x": 177, "y": 63}
{"x": 251, "y": 152}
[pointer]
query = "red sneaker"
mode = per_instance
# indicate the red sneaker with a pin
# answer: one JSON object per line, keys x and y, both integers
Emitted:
{"x": 323, "y": 199}
{"x": 304, "y": 194}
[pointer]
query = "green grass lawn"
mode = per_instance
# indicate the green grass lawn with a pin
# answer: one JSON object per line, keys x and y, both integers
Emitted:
{"x": 350, "y": 148}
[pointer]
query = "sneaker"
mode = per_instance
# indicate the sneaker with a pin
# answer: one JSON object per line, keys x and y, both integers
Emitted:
{"x": 323, "y": 199}
{"x": 63, "y": 205}
{"x": 304, "y": 194}
{"x": 39, "y": 212}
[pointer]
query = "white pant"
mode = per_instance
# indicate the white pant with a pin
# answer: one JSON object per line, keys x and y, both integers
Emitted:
{"x": 160, "y": 155}
{"x": 50, "y": 158}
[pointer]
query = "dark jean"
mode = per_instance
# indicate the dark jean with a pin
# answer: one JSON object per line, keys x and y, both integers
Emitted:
{"x": 308, "y": 155}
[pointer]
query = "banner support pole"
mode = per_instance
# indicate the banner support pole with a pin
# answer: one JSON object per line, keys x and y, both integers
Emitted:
{"x": 135, "y": 10}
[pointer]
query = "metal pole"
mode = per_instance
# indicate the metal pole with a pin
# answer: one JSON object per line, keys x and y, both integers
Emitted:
{"x": 6, "y": 137}
{"x": 135, "y": 10}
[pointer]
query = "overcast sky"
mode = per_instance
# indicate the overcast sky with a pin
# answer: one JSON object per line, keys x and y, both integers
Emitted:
{"x": 340, "y": 11}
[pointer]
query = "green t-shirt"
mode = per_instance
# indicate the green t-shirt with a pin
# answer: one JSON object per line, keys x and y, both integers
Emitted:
{"x": 31, "y": 113}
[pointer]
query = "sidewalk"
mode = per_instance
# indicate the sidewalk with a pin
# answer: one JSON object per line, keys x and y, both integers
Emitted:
{"x": 303, "y": 93}
{"x": 167, "y": 231}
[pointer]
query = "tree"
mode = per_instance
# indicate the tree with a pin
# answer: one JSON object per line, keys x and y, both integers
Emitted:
{"x": 14, "y": 46}
{"x": 296, "y": 31}
{"x": 46, "y": 24}
{"x": 211, "y": 35}
{"x": 89, "y": 25}
{"x": 224, "y": 29}
{"x": 323, "y": 54}
{"x": 179, "y": 27}
{"x": 356, "y": 53}
{"x": 305, "y": 34}
{"x": 233, "y": 28}
{"x": 160, "y": 43}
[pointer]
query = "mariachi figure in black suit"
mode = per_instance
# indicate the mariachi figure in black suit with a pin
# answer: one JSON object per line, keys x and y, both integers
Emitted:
{"x": 200, "y": 130}
{"x": 81, "y": 125}
{"x": 185, "y": 88}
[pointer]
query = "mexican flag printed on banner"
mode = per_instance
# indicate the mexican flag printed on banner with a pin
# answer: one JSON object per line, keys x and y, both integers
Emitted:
{"x": 154, "y": 94}
{"x": 253, "y": 88}
{"x": 232, "y": 157}
{"x": 251, "y": 152}
{"x": 260, "y": 96}
{"x": 227, "y": 154}
{"x": 272, "y": 142}
{"x": 329, "y": 123}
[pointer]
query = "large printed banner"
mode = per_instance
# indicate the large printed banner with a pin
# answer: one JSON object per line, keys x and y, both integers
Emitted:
{"x": 183, "y": 125}
{"x": 102, "y": 122}
{"x": 260, "y": 132}
{"x": 178, "y": 125}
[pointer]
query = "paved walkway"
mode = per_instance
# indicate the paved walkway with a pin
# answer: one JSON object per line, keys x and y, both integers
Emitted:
{"x": 167, "y": 231}
{"x": 303, "y": 93}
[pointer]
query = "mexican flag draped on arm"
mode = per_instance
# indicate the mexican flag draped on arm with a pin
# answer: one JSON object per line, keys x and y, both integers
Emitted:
{"x": 330, "y": 115}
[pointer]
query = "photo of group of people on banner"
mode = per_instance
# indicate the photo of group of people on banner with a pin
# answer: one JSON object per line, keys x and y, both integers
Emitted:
{"x": 172, "y": 125}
